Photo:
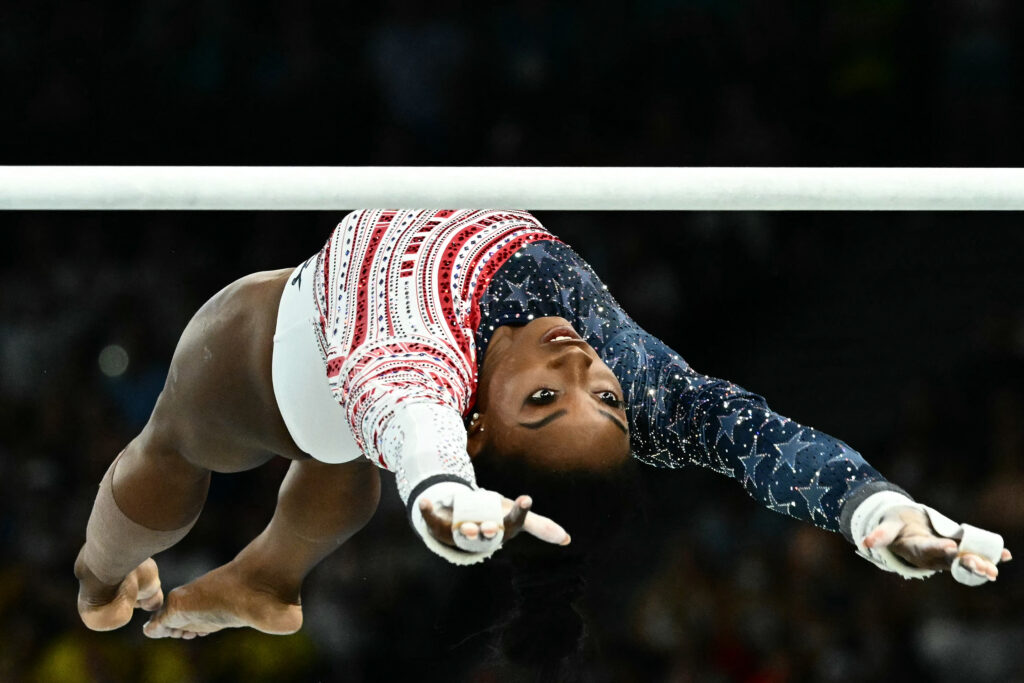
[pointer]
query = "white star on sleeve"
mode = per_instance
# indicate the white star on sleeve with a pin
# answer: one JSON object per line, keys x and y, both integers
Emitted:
{"x": 790, "y": 449}
{"x": 812, "y": 495}
{"x": 750, "y": 463}
{"x": 519, "y": 294}
{"x": 540, "y": 255}
{"x": 565, "y": 294}
{"x": 776, "y": 506}
{"x": 728, "y": 423}
{"x": 593, "y": 324}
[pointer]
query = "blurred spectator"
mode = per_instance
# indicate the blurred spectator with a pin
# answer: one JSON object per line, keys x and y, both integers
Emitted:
{"x": 901, "y": 334}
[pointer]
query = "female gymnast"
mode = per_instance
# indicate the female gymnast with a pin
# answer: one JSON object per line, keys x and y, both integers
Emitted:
{"x": 420, "y": 342}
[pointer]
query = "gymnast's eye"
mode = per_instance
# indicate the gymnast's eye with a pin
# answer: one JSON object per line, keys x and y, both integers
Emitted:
{"x": 542, "y": 397}
{"x": 611, "y": 399}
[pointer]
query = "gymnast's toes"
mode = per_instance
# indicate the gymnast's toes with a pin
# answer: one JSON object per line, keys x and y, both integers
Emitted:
{"x": 218, "y": 600}
{"x": 106, "y": 617}
{"x": 140, "y": 589}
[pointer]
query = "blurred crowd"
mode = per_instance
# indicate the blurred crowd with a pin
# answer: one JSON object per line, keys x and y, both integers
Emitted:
{"x": 901, "y": 334}
{"x": 898, "y": 334}
{"x": 678, "y": 82}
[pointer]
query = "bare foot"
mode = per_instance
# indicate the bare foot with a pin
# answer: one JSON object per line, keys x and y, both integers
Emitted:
{"x": 104, "y": 607}
{"x": 222, "y": 598}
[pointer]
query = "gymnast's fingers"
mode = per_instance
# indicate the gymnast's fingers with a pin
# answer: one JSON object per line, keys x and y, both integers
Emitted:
{"x": 884, "y": 534}
{"x": 979, "y": 565}
{"x": 440, "y": 528}
{"x": 515, "y": 514}
{"x": 926, "y": 551}
{"x": 489, "y": 529}
{"x": 470, "y": 530}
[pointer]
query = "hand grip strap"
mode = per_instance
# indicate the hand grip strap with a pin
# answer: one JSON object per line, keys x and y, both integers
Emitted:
{"x": 971, "y": 539}
{"x": 466, "y": 504}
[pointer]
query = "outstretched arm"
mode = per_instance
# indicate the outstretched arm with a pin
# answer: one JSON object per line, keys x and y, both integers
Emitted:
{"x": 679, "y": 416}
{"x": 517, "y": 517}
{"x": 413, "y": 421}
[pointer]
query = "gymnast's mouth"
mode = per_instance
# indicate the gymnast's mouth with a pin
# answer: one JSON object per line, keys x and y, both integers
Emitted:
{"x": 563, "y": 334}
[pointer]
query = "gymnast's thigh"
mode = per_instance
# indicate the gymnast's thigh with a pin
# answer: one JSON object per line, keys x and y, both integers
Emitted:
{"x": 217, "y": 408}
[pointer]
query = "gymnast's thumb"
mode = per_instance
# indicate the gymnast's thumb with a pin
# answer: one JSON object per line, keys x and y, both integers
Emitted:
{"x": 546, "y": 529}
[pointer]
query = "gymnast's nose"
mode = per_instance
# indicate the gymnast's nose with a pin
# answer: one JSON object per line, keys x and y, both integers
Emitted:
{"x": 573, "y": 359}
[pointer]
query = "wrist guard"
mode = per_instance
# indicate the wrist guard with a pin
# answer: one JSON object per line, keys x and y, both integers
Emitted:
{"x": 468, "y": 505}
{"x": 970, "y": 539}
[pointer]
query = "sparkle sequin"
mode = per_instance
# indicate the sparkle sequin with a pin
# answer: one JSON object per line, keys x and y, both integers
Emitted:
{"x": 678, "y": 416}
{"x": 396, "y": 292}
{"x": 409, "y": 301}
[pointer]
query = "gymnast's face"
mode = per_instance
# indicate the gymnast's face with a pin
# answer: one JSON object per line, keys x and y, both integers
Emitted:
{"x": 544, "y": 392}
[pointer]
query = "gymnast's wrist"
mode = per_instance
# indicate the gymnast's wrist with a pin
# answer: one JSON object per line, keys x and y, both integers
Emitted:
{"x": 437, "y": 489}
{"x": 855, "y": 503}
{"x": 444, "y": 494}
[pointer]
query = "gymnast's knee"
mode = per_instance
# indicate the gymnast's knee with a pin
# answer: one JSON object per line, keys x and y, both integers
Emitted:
{"x": 359, "y": 487}
{"x": 361, "y": 490}
{"x": 149, "y": 463}
{"x": 369, "y": 486}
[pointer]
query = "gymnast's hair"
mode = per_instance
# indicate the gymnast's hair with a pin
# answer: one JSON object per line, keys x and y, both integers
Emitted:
{"x": 543, "y": 638}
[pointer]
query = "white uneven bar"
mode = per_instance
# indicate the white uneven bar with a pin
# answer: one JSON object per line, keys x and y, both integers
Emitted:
{"x": 204, "y": 188}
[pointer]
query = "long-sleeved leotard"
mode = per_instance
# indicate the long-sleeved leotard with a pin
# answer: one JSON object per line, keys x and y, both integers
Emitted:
{"x": 407, "y": 301}
{"x": 678, "y": 416}
{"x": 396, "y": 303}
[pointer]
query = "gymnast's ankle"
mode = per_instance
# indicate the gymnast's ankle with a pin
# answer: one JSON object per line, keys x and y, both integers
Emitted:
{"x": 254, "y": 572}
{"x": 91, "y": 589}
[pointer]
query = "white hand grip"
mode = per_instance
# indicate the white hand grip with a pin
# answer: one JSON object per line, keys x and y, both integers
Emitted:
{"x": 477, "y": 506}
{"x": 970, "y": 539}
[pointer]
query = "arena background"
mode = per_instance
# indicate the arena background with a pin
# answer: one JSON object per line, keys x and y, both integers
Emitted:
{"x": 902, "y": 334}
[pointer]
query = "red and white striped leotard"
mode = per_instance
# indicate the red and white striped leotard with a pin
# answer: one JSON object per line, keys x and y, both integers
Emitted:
{"x": 398, "y": 296}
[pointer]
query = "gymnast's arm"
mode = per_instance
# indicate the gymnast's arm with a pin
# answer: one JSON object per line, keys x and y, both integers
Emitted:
{"x": 678, "y": 417}
{"x": 407, "y": 412}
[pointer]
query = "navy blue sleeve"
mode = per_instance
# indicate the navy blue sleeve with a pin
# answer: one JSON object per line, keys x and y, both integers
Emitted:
{"x": 678, "y": 416}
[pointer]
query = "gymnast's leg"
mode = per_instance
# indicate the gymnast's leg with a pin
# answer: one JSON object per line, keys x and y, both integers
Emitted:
{"x": 216, "y": 413}
{"x": 319, "y": 507}
{"x": 147, "y": 501}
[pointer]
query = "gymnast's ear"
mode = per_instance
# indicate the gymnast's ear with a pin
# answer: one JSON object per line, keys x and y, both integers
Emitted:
{"x": 476, "y": 435}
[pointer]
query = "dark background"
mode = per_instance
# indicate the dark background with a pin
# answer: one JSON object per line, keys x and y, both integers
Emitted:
{"x": 902, "y": 334}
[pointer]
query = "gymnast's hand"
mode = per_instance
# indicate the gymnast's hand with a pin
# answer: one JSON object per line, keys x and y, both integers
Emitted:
{"x": 517, "y": 518}
{"x": 907, "y": 532}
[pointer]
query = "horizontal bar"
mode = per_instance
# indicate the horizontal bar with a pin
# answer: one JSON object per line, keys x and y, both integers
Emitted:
{"x": 279, "y": 188}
